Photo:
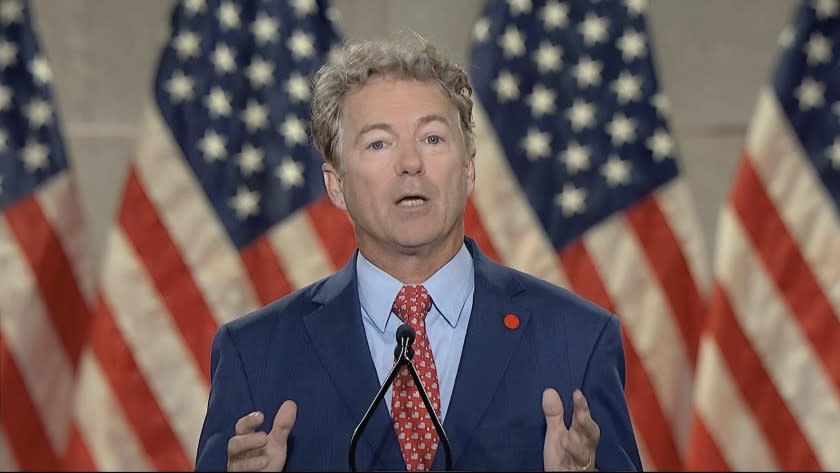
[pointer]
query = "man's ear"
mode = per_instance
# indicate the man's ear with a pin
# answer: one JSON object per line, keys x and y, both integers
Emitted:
{"x": 470, "y": 173}
{"x": 332, "y": 182}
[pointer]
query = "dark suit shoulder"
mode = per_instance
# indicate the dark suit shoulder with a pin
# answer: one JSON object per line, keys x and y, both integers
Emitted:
{"x": 289, "y": 309}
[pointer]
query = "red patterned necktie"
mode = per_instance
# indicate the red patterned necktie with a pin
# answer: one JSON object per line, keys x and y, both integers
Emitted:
{"x": 415, "y": 431}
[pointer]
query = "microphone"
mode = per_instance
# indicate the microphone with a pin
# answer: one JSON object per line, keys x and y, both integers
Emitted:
{"x": 403, "y": 354}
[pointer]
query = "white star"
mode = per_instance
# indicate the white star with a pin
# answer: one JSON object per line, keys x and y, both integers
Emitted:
{"x": 290, "y": 173}
{"x": 571, "y": 200}
{"x": 186, "y": 45}
{"x": 10, "y": 11}
{"x": 179, "y": 86}
{"x": 621, "y": 129}
{"x": 255, "y": 116}
{"x": 576, "y": 157}
{"x": 304, "y": 7}
{"x": 554, "y": 15}
{"x": 587, "y": 72}
{"x": 818, "y": 49}
{"x": 616, "y": 171}
{"x": 260, "y": 73}
{"x": 660, "y": 144}
{"x": 786, "y": 37}
{"x": 635, "y": 7}
{"x": 217, "y": 102}
{"x": 38, "y": 112}
{"x": 35, "y": 156}
{"x": 481, "y": 30}
{"x": 833, "y": 153}
{"x": 194, "y": 6}
{"x": 4, "y": 140}
{"x": 5, "y": 97}
{"x": 8, "y": 54}
{"x": 541, "y": 101}
{"x": 333, "y": 14}
{"x": 265, "y": 29}
{"x": 228, "y": 16}
{"x": 512, "y": 42}
{"x": 810, "y": 94}
{"x": 593, "y": 29}
{"x": 213, "y": 146}
{"x": 632, "y": 45}
{"x": 537, "y": 144}
{"x": 826, "y": 8}
{"x": 506, "y": 87}
{"x": 518, "y": 7}
{"x": 40, "y": 70}
{"x": 547, "y": 57}
{"x": 250, "y": 159}
{"x": 223, "y": 59}
{"x": 301, "y": 45}
{"x": 245, "y": 203}
{"x": 297, "y": 87}
{"x": 293, "y": 130}
{"x": 661, "y": 103}
{"x": 627, "y": 87}
{"x": 581, "y": 114}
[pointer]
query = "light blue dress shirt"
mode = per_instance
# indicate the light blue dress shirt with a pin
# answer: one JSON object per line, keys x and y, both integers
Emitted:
{"x": 451, "y": 289}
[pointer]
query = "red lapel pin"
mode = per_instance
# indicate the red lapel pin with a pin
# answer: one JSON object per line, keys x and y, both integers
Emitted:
{"x": 511, "y": 321}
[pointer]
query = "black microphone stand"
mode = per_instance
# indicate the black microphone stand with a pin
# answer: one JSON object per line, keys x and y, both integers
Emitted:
{"x": 403, "y": 353}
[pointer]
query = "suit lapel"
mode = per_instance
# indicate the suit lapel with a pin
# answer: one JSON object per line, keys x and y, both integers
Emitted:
{"x": 339, "y": 338}
{"x": 487, "y": 349}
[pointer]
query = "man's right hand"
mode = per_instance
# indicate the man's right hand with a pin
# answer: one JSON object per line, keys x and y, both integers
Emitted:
{"x": 252, "y": 450}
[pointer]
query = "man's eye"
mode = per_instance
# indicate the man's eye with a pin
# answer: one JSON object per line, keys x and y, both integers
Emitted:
{"x": 377, "y": 145}
{"x": 433, "y": 140}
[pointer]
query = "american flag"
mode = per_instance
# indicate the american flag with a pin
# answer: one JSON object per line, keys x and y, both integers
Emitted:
{"x": 221, "y": 212}
{"x": 768, "y": 377}
{"x": 43, "y": 259}
{"x": 578, "y": 182}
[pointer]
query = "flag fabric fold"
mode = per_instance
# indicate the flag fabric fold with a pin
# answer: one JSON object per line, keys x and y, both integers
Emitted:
{"x": 222, "y": 211}
{"x": 767, "y": 394}
{"x": 578, "y": 182}
{"x": 44, "y": 272}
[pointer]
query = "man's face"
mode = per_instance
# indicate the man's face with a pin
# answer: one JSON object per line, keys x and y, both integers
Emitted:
{"x": 405, "y": 174}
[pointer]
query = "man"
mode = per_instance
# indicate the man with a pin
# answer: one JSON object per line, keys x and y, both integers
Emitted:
{"x": 503, "y": 355}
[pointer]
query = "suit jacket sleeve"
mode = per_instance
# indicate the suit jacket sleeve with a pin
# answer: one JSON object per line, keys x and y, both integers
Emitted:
{"x": 603, "y": 386}
{"x": 229, "y": 400}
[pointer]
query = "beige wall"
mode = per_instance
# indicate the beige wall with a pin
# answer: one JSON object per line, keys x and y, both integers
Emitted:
{"x": 712, "y": 57}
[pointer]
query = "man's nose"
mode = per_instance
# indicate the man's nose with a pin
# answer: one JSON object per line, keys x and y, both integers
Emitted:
{"x": 409, "y": 160}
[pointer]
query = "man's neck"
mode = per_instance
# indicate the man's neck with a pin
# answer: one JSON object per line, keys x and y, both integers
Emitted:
{"x": 412, "y": 265}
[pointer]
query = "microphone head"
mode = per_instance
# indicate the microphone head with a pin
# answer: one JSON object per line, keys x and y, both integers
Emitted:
{"x": 405, "y": 331}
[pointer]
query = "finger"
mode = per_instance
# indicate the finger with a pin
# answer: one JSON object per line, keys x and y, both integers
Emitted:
{"x": 553, "y": 409}
{"x": 248, "y": 423}
{"x": 582, "y": 422}
{"x": 283, "y": 421}
{"x": 247, "y": 445}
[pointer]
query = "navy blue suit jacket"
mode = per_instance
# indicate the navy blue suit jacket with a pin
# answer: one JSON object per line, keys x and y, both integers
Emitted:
{"x": 310, "y": 346}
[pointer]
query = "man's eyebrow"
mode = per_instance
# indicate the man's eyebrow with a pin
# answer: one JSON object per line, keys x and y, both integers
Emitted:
{"x": 373, "y": 126}
{"x": 432, "y": 118}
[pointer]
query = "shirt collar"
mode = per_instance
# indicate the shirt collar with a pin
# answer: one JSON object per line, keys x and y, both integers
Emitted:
{"x": 448, "y": 287}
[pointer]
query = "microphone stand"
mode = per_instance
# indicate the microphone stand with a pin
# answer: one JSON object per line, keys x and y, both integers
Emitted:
{"x": 403, "y": 352}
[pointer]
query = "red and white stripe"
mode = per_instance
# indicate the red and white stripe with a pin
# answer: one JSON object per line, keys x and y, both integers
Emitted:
{"x": 771, "y": 348}
{"x": 647, "y": 265}
{"x": 45, "y": 313}
{"x": 170, "y": 277}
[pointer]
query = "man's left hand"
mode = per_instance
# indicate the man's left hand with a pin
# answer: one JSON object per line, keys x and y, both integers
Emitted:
{"x": 573, "y": 448}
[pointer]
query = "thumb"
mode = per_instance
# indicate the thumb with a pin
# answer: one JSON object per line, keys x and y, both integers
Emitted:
{"x": 283, "y": 422}
{"x": 552, "y": 408}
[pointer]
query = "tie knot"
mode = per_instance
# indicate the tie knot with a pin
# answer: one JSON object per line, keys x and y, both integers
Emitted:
{"x": 412, "y": 304}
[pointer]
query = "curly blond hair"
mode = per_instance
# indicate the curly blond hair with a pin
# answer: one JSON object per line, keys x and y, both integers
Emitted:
{"x": 359, "y": 62}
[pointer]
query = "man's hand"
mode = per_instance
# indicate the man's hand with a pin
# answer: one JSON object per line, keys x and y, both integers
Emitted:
{"x": 573, "y": 448}
{"x": 250, "y": 450}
